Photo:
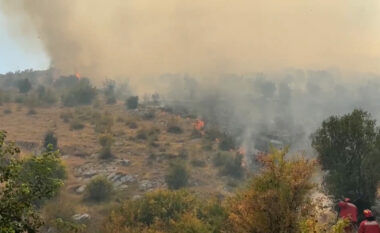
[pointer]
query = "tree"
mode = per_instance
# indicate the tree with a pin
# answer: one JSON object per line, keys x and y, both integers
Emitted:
{"x": 273, "y": 200}
{"x": 109, "y": 91}
{"x": 80, "y": 94}
{"x": 50, "y": 139}
{"x": 349, "y": 150}
{"x": 25, "y": 183}
{"x": 177, "y": 176}
{"x": 132, "y": 102}
{"x": 24, "y": 85}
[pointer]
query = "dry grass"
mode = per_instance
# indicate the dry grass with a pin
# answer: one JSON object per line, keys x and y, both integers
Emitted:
{"x": 32, "y": 128}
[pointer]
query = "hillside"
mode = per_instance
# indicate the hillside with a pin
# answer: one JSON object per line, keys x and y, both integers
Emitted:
{"x": 145, "y": 141}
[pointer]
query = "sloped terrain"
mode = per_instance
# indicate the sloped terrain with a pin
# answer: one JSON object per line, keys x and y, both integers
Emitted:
{"x": 145, "y": 141}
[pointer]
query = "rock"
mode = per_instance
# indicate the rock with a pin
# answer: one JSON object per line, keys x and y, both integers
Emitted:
{"x": 119, "y": 144}
{"x": 123, "y": 187}
{"x": 124, "y": 162}
{"x": 81, "y": 217}
{"x": 128, "y": 178}
{"x": 89, "y": 173}
{"x": 136, "y": 197}
{"x": 145, "y": 185}
{"x": 80, "y": 189}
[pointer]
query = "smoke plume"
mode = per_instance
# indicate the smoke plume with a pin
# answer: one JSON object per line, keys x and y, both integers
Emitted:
{"x": 114, "y": 38}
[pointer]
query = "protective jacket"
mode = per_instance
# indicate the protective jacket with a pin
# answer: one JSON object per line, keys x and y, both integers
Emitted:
{"x": 348, "y": 210}
{"x": 368, "y": 226}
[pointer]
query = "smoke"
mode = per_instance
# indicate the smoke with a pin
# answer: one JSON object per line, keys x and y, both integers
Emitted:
{"x": 119, "y": 39}
{"x": 288, "y": 106}
{"x": 334, "y": 43}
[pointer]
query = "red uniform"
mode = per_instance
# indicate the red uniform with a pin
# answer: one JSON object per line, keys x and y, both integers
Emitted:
{"x": 348, "y": 210}
{"x": 369, "y": 227}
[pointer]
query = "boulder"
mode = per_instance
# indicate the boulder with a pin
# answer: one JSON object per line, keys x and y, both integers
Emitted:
{"x": 81, "y": 217}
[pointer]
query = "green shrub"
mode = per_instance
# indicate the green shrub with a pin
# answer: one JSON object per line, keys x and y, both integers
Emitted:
{"x": 142, "y": 134}
{"x": 232, "y": 167}
{"x": 167, "y": 211}
{"x": 149, "y": 115}
{"x": 173, "y": 127}
{"x": 50, "y": 139}
{"x": 81, "y": 94}
{"x": 226, "y": 143}
{"x": 7, "y": 111}
{"x": 106, "y": 142}
{"x": 46, "y": 96}
{"x": 132, "y": 102}
{"x": 229, "y": 165}
{"x": 198, "y": 163}
{"x": 131, "y": 124}
{"x": 76, "y": 124}
{"x": 99, "y": 189}
{"x": 177, "y": 176}
{"x": 24, "y": 85}
{"x": 220, "y": 159}
{"x": 109, "y": 91}
{"x": 31, "y": 111}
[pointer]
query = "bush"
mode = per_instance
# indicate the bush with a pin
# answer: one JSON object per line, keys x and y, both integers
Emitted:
{"x": 50, "y": 139}
{"x": 132, "y": 102}
{"x": 151, "y": 134}
{"x": 229, "y": 165}
{"x": 131, "y": 124}
{"x": 76, "y": 124}
{"x": 109, "y": 91}
{"x": 7, "y": 111}
{"x": 274, "y": 198}
{"x": 226, "y": 143}
{"x": 173, "y": 127}
{"x": 150, "y": 115}
{"x": 24, "y": 85}
{"x": 167, "y": 211}
{"x": 31, "y": 111}
{"x": 46, "y": 96}
{"x": 81, "y": 94}
{"x": 198, "y": 163}
{"x": 177, "y": 176}
{"x": 106, "y": 142}
{"x": 99, "y": 189}
{"x": 232, "y": 167}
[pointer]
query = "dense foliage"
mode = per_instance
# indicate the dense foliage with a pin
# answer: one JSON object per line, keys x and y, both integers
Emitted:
{"x": 167, "y": 211}
{"x": 177, "y": 176}
{"x": 80, "y": 94}
{"x": 273, "y": 200}
{"x": 99, "y": 189}
{"x": 132, "y": 102}
{"x": 50, "y": 139}
{"x": 24, "y": 183}
{"x": 349, "y": 149}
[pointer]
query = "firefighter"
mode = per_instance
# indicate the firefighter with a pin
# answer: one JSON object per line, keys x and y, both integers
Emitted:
{"x": 350, "y": 211}
{"x": 369, "y": 225}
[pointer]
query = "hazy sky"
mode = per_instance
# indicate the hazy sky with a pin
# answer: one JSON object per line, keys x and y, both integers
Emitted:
{"x": 14, "y": 55}
{"x": 139, "y": 37}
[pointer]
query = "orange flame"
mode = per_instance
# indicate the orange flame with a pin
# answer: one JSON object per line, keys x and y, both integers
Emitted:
{"x": 199, "y": 124}
{"x": 77, "y": 74}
